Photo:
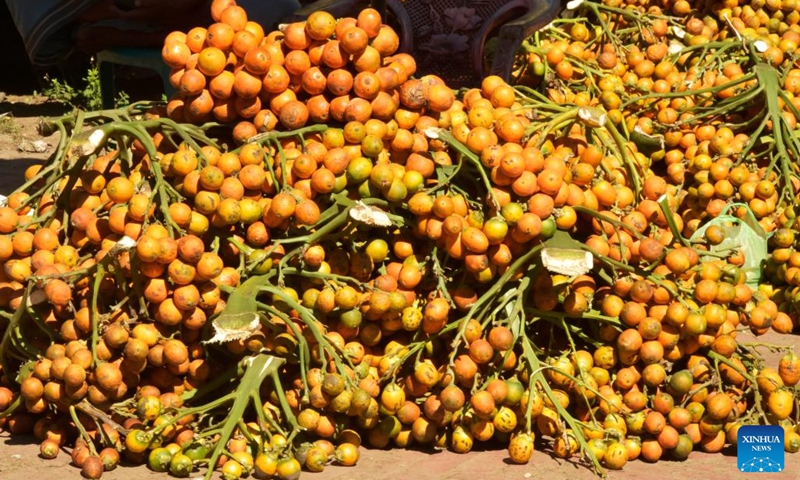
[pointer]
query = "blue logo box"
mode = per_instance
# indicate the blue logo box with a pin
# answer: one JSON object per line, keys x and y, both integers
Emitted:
{"x": 760, "y": 449}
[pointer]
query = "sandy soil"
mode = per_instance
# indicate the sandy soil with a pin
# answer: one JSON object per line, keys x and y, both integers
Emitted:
{"x": 19, "y": 460}
{"x": 19, "y": 455}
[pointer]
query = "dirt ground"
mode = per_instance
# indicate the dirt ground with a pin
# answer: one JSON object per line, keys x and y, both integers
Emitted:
{"x": 19, "y": 460}
{"x": 20, "y": 143}
{"x": 19, "y": 455}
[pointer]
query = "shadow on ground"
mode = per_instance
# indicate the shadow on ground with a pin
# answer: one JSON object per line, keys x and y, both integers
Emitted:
{"x": 22, "y": 109}
{"x": 12, "y": 175}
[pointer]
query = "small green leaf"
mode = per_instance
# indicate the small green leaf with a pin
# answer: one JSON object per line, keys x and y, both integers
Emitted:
{"x": 25, "y": 371}
{"x": 444, "y": 172}
{"x": 562, "y": 239}
{"x": 240, "y": 318}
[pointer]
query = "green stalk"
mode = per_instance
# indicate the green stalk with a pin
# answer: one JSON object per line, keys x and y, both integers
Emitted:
{"x": 663, "y": 202}
{"x": 81, "y": 430}
{"x": 12, "y": 326}
{"x": 490, "y": 294}
{"x": 530, "y": 355}
{"x": 465, "y": 152}
{"x": 257, "y": 370}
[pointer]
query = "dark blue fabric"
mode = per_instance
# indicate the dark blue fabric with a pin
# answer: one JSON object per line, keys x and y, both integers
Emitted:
{"x": 48, "y": 27}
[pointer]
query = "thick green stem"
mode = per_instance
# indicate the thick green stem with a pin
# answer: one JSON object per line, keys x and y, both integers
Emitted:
{"x": 536, "y": 365}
